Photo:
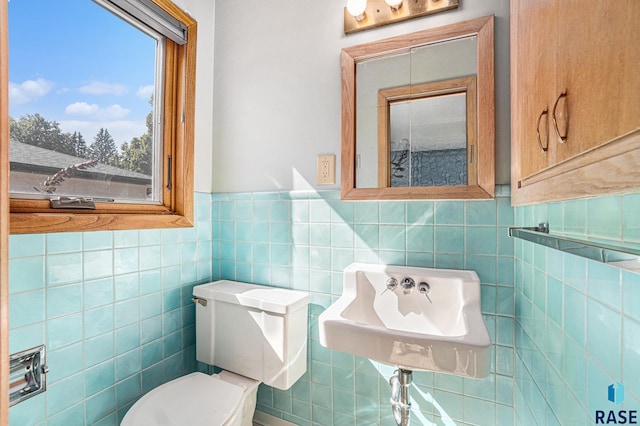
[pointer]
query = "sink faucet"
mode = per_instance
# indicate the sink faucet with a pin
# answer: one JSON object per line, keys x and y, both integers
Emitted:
{"x": 407, "y": 284}
{"x": 424, "y": 288}
{"x": 392, "y": 283}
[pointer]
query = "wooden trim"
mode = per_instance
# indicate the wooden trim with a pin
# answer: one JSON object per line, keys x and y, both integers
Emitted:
{"x": 419, "y": 38}
{"x": 348, "y": 151}
{"x": 4, "y": 216}
{"x": 607, "y": 169}
{"x": 515, "y": 124}
{"x": 186, "y": 129}
{"x": 486, "y": 108}
{"x": 43, "y": 207}
{"x": 485, "y": 123}
{"x": 386, "y": 97}
{"x": 417, "y": 193}
{"x": 384, "y": 138}
{"x": 472, "y": 132}
{"x": 26, "y": 223}
{"x": 35, "y": 216}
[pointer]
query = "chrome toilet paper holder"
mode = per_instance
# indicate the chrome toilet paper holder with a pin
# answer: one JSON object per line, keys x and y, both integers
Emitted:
{"x": 27, "y": 374}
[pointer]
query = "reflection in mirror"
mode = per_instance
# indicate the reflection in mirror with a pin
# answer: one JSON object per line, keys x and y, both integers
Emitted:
{"x": 432, "y": 154}
{"x": 417, "y": 115}
{"x": 427, "y": 134}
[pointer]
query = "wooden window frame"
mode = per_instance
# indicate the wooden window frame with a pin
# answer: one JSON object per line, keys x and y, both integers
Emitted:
{"x": 4, "y": 218}
{"x": 176, "y": 211}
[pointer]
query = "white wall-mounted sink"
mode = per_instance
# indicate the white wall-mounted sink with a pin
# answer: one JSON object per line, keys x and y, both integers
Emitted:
{"x": 405, "y": 329}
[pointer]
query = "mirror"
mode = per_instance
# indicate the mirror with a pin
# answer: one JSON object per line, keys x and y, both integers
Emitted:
{"x": 426, "y": 135}
{"x": 418, "y": 115}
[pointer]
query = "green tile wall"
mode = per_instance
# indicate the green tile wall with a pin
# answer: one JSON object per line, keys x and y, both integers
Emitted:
{"x": 114, "y": 307}
{"x": 577, "y": 321}
{"x": 115, "y": 311}
{"x": 303, "y": 240}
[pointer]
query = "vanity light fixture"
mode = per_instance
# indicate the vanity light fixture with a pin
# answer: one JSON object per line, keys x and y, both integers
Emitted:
{"x": 356, "y": 8}
{"x": 362, "y": 15}
{"x": 395, "y": 5}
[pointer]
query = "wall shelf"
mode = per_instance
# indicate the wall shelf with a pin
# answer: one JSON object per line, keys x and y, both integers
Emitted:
{"x": 623, "y": 257}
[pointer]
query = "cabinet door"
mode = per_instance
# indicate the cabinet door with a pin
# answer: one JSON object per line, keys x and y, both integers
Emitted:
{"x": 598, "y": 57}
{"x": 533, "y": 76}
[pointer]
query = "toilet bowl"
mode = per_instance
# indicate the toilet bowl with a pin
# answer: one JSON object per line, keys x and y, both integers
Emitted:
{"x": 255, "y": 333}
{"x": 197, "y": 399}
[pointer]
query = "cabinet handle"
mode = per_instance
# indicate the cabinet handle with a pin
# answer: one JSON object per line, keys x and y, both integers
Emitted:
{"x": 563, "y": 138}
{"x": 543, "y": 148}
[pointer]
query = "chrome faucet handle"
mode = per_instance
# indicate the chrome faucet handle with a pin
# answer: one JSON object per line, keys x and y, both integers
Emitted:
{"x": 407, "y": 284}
{"x": 424, "y": 288}
{"x": 392, "y": 284}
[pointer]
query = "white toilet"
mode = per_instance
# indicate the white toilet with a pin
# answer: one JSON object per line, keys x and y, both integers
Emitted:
{"x": 255, "y": 333}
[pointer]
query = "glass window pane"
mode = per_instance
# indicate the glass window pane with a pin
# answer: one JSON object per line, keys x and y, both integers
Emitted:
{"x": 81, "y": 102}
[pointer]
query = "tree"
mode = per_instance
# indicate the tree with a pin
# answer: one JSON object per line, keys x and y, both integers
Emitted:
{"x": 36, "y": 130}
{"x": 79, "y": 145}
{"x": 103, "y": 149}
{"x": 137, "y": 155}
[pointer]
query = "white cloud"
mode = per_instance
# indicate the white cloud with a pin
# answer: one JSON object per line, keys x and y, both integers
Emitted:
{"x": 112, "y": 112}
{"x": 81, "y": 108}
{"x": 120, "y": 130}
{"x": 145, "y": 92}
{"x": 29, "y": 90}
{"x": 102, "y": 88}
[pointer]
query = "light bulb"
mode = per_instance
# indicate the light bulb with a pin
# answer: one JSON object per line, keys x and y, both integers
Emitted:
{"x": 356, "y": 9}
{"x": 394, "y": 4}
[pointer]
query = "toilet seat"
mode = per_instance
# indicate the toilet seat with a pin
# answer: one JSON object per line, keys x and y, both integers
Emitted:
{"x": 196, "y": 399}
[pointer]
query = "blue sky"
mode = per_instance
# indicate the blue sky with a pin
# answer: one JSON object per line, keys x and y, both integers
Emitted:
{"x": 76, "y": 63}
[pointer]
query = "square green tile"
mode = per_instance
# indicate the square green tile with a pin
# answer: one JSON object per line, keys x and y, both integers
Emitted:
{"x": 63, "y": 242}
{"x": 64, "y": 394}
{"x": 480, "y": 240}
{"x": 605, "y": 284}
{"x": 99, "y": 377}
{"x": 100, "y": 405}
{"x": 605, "y": 217}
{"x": 26, "y": 245}
{"x": 64, "y": 300}
{"x": 26, "y": 273}
{"x": 392, "y": 212}
{"x": 483, "y": 212}
{"x": 604, "y": 337}
{"x": 449, "y": 239}
{"x": 367, "y": 212}
{"x": 64, "y": 268}
{"x": 420, "y": 212}
{"x": 449, "y": 212}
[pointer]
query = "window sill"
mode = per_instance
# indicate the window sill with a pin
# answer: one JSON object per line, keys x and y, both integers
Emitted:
{"x": 30, "y": 223}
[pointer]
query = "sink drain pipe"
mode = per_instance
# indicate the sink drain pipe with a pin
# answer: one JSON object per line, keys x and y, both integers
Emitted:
{"x": 400, "y": 404}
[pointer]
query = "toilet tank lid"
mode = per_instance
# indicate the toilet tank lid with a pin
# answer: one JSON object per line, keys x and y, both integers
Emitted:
{"x": 269, "y": 299}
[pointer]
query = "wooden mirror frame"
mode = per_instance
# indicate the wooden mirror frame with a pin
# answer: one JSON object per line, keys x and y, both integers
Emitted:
{"x": 482, "y": 28}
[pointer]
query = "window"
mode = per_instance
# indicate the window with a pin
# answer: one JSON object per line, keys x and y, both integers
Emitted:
{"x": 101, "y": 105}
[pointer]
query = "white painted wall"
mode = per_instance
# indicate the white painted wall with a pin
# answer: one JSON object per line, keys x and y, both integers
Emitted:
{"x": 276, "y": 102}
{"x": 203, "y": 12}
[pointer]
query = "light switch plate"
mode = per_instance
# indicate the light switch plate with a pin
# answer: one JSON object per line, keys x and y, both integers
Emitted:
{"x": 326, "y": 169}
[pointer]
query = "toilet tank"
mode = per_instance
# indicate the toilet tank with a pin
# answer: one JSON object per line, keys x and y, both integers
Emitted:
{"x": 253, "y": 330}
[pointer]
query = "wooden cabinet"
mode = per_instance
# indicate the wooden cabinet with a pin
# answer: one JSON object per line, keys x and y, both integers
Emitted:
{"x": 575, "y": 101}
